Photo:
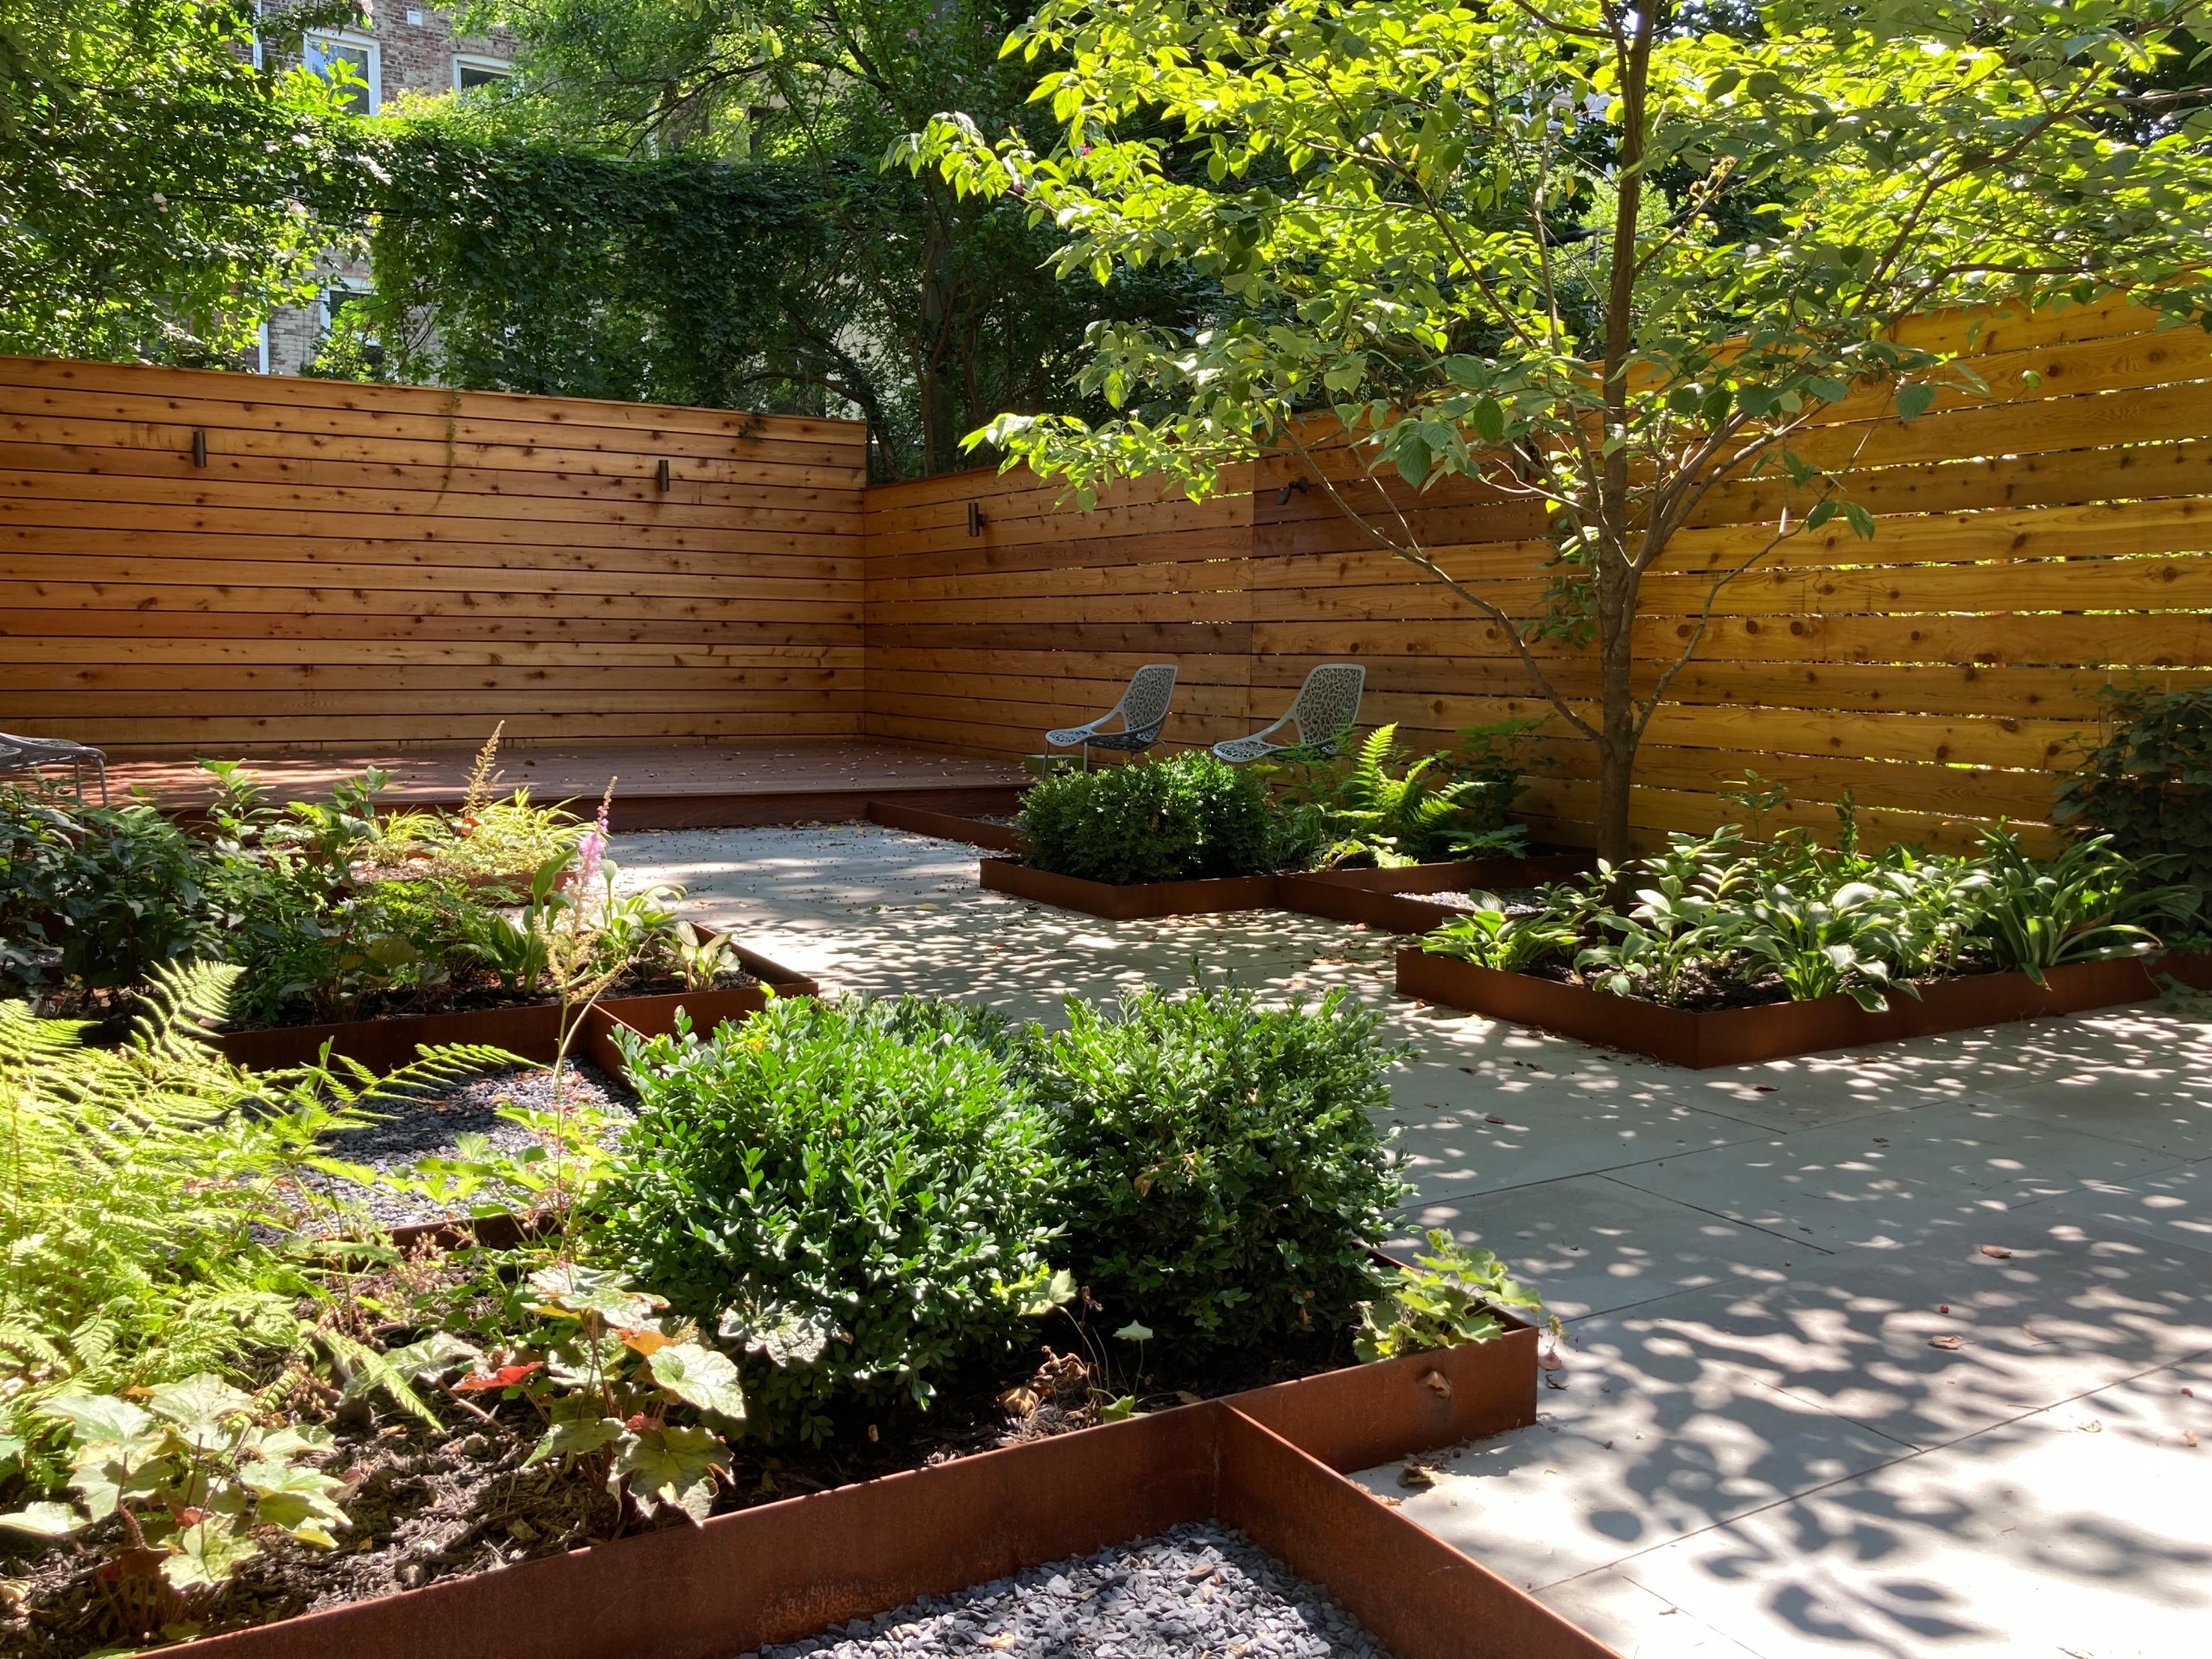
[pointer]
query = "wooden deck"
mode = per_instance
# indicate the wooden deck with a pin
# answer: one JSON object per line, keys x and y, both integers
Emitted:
{"x": 656, "y": 787}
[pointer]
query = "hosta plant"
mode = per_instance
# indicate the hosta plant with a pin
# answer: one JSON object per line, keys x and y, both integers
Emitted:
{"x": 1448, "y": 1296}
{"x": 193, "y": 1475}
{"x": 1489, "y": 937}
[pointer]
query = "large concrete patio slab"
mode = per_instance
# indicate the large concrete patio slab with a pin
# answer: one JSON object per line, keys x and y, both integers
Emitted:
{"x": 1767, "y": 1444}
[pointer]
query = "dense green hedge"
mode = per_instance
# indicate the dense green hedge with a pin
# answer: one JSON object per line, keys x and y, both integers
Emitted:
{"x": 1174, "y": 820}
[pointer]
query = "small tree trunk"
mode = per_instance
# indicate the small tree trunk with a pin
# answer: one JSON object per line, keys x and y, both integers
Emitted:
{"x": 1616, "y": 738}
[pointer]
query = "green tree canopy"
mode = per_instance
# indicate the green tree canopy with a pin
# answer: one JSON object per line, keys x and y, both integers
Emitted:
{"x": 687, "y": 203}
{"x": 1599, "y": 256}
{"x": 154, "y": 184}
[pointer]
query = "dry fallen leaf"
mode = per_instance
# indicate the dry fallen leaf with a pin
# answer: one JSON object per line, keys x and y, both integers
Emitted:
{"x": 1996, "y": 1252}
{"x": 1553, "y": 1380}
{"x": 1757, "y": 1088}
{"x": 1492, "y": 1117}
{"x": 2188, "y": 1436}
{"x": 1415, "y": 1478}
{"x": 1395, "y": 1503}
{"x": 2093, "y": 1426}
{"x": 1946, "y": 1342}
{"x": 1550, "y": 1361}
{"x": 1437, "y": 1384}
{"x": 1002, "y": 1641}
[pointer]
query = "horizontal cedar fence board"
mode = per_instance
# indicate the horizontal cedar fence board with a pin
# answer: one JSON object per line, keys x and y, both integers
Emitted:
{"x": 2031, "y": 547}
{"x": 392, "y": 401}
{"x": 406, "y": 565}
{"x": 2143, "y": 472}
{"x": 96, "y": 470}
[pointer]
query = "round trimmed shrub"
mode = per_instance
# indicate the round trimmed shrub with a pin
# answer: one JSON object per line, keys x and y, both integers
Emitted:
{"x": 851, "y": 1196}
{"x": 1176, "y": 820}
{"x": 1223, "y": 1179}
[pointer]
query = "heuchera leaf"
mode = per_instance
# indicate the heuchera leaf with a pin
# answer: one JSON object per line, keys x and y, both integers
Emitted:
{"x": 505, "y": 1377}
{"x": 699, "y": 1376}
{"x": 673, "y": 1468}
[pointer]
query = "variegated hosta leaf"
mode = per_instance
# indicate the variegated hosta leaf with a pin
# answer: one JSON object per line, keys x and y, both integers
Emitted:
{"x": 699, "y": 1376}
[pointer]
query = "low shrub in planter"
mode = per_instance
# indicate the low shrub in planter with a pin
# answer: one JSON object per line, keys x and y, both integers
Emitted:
{"x": 1721, "y": 922}
{"x": 1221, "y": 1180}
{"x": 853, "y": 1196}
{"x": 1180, "y": 819}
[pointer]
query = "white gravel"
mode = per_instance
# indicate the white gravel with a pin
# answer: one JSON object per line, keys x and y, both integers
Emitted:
{"x": 1192, "y": 1591}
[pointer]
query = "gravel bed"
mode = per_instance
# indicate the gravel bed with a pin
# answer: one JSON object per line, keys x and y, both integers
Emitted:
{"x": 430, "y": 1125}
{"x": 1192, "y": 1591}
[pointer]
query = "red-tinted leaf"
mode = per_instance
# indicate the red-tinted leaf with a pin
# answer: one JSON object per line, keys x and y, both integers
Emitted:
{"x": 505, "y": 1377}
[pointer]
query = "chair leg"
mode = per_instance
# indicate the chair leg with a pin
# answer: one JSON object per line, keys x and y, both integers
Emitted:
{"x": 102, "y": 764}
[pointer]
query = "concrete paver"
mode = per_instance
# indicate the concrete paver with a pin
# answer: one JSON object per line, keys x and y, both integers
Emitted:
{"x": 1758, "y": 1451}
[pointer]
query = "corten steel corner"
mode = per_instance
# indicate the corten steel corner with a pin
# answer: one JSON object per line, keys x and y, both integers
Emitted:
{"x": 1266, "y": 1461}
{"x": 1778, "y": 1030}
{"x": 533, "y": 1032}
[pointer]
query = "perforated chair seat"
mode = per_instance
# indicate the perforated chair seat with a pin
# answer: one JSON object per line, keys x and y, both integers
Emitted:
{"x": 1326, "y": 707}
{"x": 1142, "y": 711}
{"x": 29, "y": 753}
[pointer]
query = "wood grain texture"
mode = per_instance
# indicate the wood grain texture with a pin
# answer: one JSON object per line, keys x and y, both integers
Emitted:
{"x": 398, "y": 566}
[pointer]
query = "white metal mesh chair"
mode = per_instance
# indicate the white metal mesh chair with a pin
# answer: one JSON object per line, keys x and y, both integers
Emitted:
{"x": 1326, "y": 706}
{"x": 29, "y": 753}
{"x": 1142, "y": 711}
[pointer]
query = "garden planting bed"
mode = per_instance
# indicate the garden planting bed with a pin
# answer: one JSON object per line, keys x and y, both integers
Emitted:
{"x": 1778, "y": 1030}
{"x": 1373, "y": 897}
{"x": 533, "y": 1030}
{"x": 1381, "y": 898}
{"x": 1268, "y": 1462}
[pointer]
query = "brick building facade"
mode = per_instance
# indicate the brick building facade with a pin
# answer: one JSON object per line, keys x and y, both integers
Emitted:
{"x": 394, "y": 48}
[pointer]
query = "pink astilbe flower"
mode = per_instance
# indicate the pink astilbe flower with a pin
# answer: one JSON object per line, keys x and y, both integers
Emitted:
{"x": 593, "y": 847}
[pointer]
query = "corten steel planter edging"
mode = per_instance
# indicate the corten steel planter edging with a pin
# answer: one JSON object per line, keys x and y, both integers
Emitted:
{"x": 785, "y": 1571}
{"x": 1377, "y": 897}
{"x": 945, "y": 826}
{"x": 1138, "y": 902}
{"x": 1778, "y": 1029}
{"x": 533, "y": 1032}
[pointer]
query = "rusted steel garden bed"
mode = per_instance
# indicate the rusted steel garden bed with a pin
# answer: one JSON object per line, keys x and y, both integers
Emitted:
{"x": 1269, "y": 1462}
{"x": 1372, "y": 897}
{"x": 1136, "y": 902}
{"x": 533, "y": 1032}
{"x": 1778, "y": 1030}
{"x": 1377, "y": 897}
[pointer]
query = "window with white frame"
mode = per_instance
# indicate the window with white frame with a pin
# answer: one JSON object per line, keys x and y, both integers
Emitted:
{"x": 355, "y": 58}
{"x": 474, "y": 69}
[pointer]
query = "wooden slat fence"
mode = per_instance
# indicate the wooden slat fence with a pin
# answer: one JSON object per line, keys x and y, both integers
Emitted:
{"x": 373, "y": 565}
{"x": 2031, "y": 546}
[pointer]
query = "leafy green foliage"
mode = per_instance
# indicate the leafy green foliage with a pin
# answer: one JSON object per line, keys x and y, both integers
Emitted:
{"x": 1448, "y": 1296}
{"x": 1357, "y": 810}
{"x": 1719, "y": 921}
{"x": 144, "y": 1185}
{"x": 1590, "y": 255}
{"x": 611, "y": 1371}
{"x": 194, "y": 1476}
{"x": 855, "y": 1194}
{"x": 1189, "y": 817}
{"x": 1221, "y": 1179}
{"x": 113, "y": 891}
{"x": 2147, "y": 787}
{"x": 153, "y": 180}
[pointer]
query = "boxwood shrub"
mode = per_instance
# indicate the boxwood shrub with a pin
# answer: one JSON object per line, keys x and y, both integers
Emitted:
{"x": 1223, "y": 1180}
{"x": 1174, "y": 820}
{"x": 852, "y": 1196}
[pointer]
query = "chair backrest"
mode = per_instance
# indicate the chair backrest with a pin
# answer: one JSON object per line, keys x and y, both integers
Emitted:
{"x": 1144, "y": 705}
{"x": 1328, "y": 704}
